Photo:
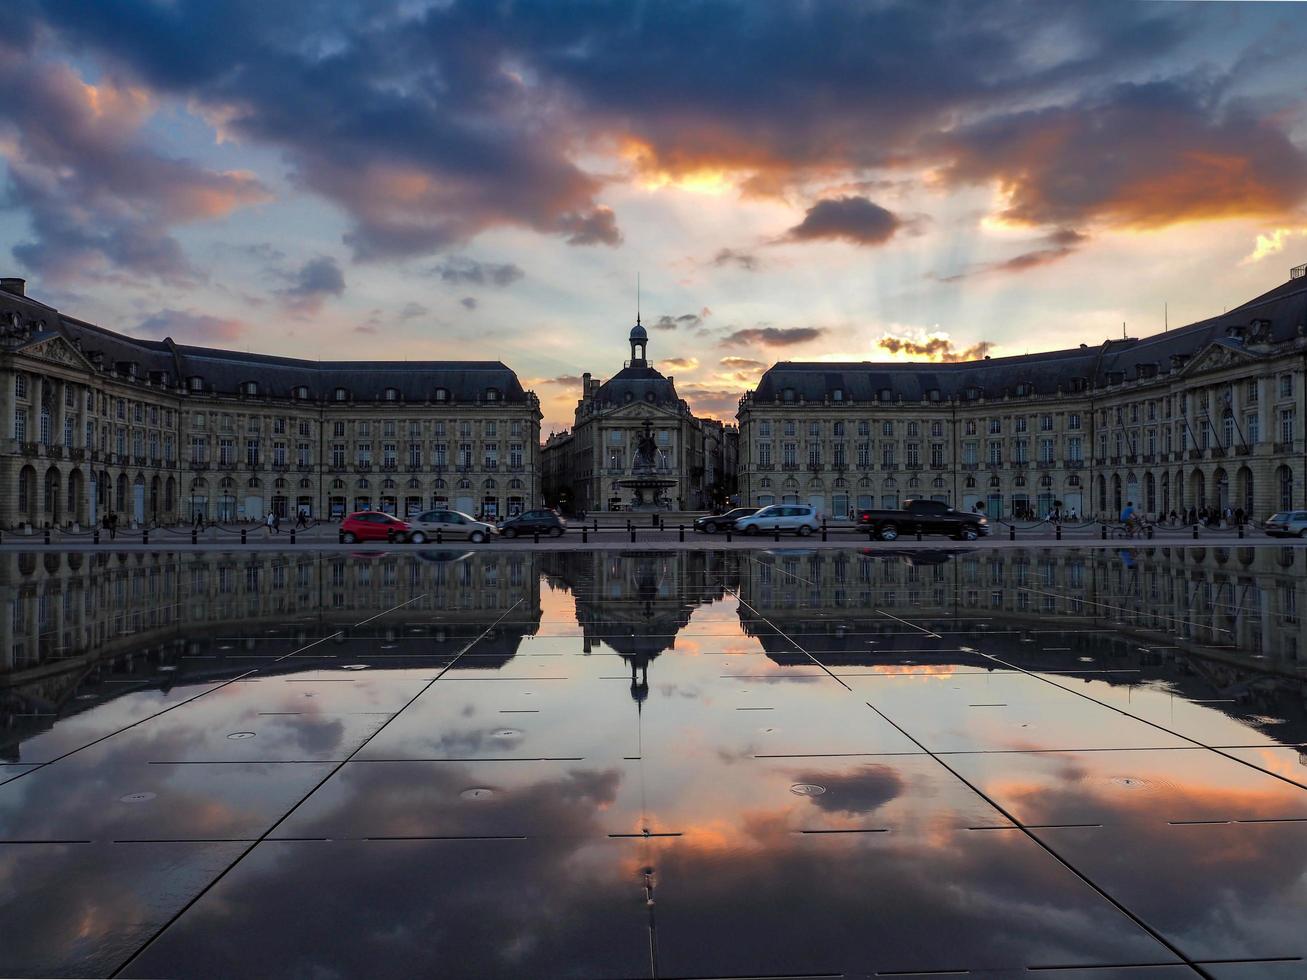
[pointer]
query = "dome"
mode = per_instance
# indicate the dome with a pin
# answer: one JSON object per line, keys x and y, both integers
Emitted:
{"x": 638, "y": 332}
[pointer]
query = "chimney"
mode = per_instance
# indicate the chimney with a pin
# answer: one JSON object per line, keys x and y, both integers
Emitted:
{"x": 14, "y": 286}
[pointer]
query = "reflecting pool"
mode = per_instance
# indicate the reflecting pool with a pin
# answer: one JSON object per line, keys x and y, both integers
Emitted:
{"x": 676, "y": 764}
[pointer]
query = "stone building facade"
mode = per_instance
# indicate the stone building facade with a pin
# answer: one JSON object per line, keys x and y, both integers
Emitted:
{"x": 584, "y": 466}
{"x": 1205, "y": 416}
{"x": 95, "y": 422}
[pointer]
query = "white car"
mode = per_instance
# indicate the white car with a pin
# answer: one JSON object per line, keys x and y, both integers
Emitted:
{"x": 450, "y": 524}
{"x": 1287, "y": 524}
{"x": 802, "y": 519}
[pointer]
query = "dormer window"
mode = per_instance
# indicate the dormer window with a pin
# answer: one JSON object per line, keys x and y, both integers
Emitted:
{"x": 886, "y": 395}
{"x": 341, "y": 395}
{"x": 195, "y": 383}
{"x": 837, "y": 395}
{"x": 250, "y": 387}
{"x": 442, "y": 394}
{"x": 392, "y": 394}
{"x": 301, "y": 392}
{"x": 1025, "y": 389}
{"x": 787, "y": 395}
{"x": 492, "y": 394}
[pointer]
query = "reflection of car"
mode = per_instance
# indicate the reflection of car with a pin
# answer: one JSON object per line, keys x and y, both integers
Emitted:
{"x": 722, "y": 522}
{"x": 444, "y": 556}
{"x": 544, "y": 521}
{"x": 372, "y": 525}
{"x": 802, "y": 519}
{"x": 449, "y": 524}
{"x": 1287, "y": 524}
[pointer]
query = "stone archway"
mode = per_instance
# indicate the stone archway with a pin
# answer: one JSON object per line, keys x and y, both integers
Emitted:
{"x": 52, "y": 508}
{"x": 1220, "y": 489}
{"x": 77, "y": 509}
{"x": 27, "y": 499}
{"x": 1197, "y": 489}
{"x": 1243, "y": 490}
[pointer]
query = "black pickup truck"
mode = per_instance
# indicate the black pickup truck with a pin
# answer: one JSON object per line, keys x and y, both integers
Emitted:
{"x": 930, "y": 516}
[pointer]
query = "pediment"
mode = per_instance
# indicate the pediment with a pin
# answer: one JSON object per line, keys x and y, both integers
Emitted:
{"x": 1217, "y": 357}
{"x": 640, "y": 410}
{"x": 56, "y": 350}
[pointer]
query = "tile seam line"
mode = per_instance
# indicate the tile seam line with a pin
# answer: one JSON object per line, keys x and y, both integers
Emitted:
{"x": 789, "y": 639}
{"x": 1152, "y": 724}
{"x": 1034, "y": 838}
{"x": 282, "y": 819}
{"x": 219, "y": 687}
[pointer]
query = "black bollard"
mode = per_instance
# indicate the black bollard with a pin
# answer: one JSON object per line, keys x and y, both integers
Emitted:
{"x": 1149, "y": 531}
{"x": 776, "y": 534}
{"x": 340, "y": 537}
{"x": 242, "y": 535}
{"x": 1241, "y": 529}
{"x": 823, "y": 529}
{"x": 1059, "y": 532}
{"x": 1011, "y": 532}
{"x": 536, "y": 535}
{"x": 728, "y": 535}
{"x": 95, "y": 537}
{"x": 680, "y": 532}
{"x": 440, "y": 535}
{"x": 1195, "y": 532}
{"x": 195, "y": 536}
{"x": 292, "y": 535}
{"x": 585, "y": 534}
{"x": 145, "y": 535}
{"x": 656, "y": 522}
{"x": 918, "y": 532}
{"x": 628, "y": 524}
{"x": 47, "y": 535}
{"x": 1104, "y": 532}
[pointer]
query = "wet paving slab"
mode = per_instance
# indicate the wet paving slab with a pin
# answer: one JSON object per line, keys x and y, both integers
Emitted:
{"x": 644, "y": 764}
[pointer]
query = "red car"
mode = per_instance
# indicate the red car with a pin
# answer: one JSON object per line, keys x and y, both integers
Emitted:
{"x": 372, "y": 525}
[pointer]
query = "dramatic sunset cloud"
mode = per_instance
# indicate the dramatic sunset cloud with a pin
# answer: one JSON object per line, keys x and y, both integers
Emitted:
{"x": 934, "y": 349}
{"x": 478, "y": 180}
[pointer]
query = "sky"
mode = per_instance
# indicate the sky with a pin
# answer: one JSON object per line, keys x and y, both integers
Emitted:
{"x": 812, "y": 180}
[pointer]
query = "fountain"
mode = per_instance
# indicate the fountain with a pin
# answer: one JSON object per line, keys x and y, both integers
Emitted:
{"x": 644, "y": 476}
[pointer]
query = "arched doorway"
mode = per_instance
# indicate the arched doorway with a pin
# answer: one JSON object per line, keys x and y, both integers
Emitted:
{"x": 1118, "y": 500}
{"x": 1197, "y": 489}
{"x": 120, "y": 497}
{"x": 1243, "y": 491}
{"x": 77, "y": 497}
{"x": 27, "y": 494}
{"x": 51, "y": 502}
{"x": 1102, "y": 493}
{"x": 1166, "y": 493}
{"x": 1284, "y": 484}
{"x": 170, "y": 498}
{"x": 1221, "y": 489}
{"x": 156, "y": 489}
{"x": 198, "y": 504}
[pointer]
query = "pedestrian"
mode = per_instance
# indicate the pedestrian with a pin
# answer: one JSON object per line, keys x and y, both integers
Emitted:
{"x": 113, "y": 526}
{"x": 270, "y": 524}
{"x": 1128, "y": 517}
{"x": 302, "y": 521}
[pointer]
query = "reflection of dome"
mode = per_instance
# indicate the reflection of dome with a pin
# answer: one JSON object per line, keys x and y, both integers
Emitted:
{"x": 638, "y": 332}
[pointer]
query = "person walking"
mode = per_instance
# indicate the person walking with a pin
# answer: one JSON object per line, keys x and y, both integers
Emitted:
{"x": 270, "y": 524}
{"x": 113, "y": 526}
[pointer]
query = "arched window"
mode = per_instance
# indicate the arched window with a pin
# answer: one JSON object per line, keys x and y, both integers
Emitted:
{"x": 363, "y": 483}
{"x": 253, "y": 483}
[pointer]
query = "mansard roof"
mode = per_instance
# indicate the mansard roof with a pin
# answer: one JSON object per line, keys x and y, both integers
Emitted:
{"x": 226, "y": 371}
{"x": 637, "y": 384}
{"x": 1283, "y": 310}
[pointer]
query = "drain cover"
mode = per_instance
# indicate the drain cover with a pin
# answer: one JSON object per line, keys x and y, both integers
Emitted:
{"x": 508, "y": 733}
{"x": 355, "y": 667}
{"x": 477, "y": 793}
{"x": 807, "y": 789}
{"x": 241, "y": 735}
{"x": 136, "y": 798}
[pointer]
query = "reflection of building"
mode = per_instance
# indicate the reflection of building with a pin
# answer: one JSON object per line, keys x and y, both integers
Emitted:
{"x": 96, "y": 422}
{"x": 1207, "y": 415}
{"x": 77, "y": 629}
{"x": 591, "y": 466}
{"x": 1233, "y": 611}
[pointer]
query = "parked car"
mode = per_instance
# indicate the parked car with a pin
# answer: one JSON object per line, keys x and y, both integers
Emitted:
{"x": 802, "y": 519}
{"x": 1287, "y": 524}
{"x": 545, "y": 521}
{"x": 931, "y": 516}
{"x": 372, "y": 525}
{"x": 449, "y": 524}
{"x": 722, "y": 522}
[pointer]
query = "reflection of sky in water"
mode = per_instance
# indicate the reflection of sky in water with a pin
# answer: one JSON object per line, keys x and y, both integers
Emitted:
{"x": 813, "y": 763}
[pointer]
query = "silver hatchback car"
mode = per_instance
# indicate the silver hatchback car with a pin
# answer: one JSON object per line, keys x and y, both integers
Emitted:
{"x": 1287, "y": 524}
{"x": 449, "y": 524}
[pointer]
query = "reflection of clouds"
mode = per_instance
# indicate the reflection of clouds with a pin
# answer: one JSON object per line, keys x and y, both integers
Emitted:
{"x": 862, "y": 790}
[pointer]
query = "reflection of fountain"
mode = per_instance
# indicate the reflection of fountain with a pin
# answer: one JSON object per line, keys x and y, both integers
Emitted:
{"x": 644, "y": 477}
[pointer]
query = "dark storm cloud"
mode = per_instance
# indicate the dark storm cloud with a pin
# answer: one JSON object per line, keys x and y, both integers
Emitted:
{"x": 468, "y": 302}
{"x": 311, "y": 285}
{"x": 743, "y": 364}
{"x": 1052, "y": 248}
{"x": 430, "y": 125}
{"x": 471, "y": 272}
{"x": 850, "y": 219}
{"x": 1140, "y": 156}
{"x": 772, "y": 336}
{"x": 100, "y": 203}
{"x": 688, "y": 321}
